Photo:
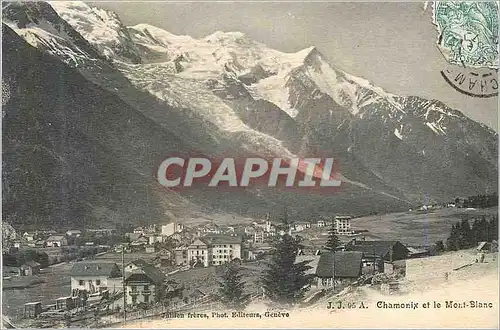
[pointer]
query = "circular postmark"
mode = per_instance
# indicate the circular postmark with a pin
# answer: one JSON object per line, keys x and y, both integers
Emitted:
{"x": 468, "y": 32}
{"x": 472, "y": 82}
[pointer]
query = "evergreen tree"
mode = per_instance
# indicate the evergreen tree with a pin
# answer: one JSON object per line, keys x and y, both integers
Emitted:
{"x": 492, "y": 231}
{"x": 231, "y": 288}
{"x": 466, "y": 239}
{"x": 480, "y": 230}
{"x": 452, "y": 241}
{"x": 439, "y": 246}
{"x": 333, "y": 241}
{"x": 286, "y": 282}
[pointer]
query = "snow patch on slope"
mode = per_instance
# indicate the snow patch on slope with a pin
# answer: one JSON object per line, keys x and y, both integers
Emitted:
{"x": 103, "y": 29}
{"x": 44, "y": 36}
{"x": 193, "y": 94}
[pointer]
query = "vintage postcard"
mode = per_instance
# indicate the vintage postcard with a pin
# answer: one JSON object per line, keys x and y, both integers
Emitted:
{"x": 250, "y": 164}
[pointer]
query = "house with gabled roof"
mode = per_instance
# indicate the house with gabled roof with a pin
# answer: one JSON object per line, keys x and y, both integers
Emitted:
{"x": 29, "y": 268}
{"x": 376, "y": 252}
{"x": 29, "y": 236}
{"x": 330, "y": 267}
{"x": 95, "y": 277}
{"x": 144, "y": 283}
{"x": 140, "y": 241}
{"x": 56, "y": 241}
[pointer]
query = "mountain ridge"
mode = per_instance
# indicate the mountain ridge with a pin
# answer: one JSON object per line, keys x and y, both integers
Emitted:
{"x": 225, "y": 94}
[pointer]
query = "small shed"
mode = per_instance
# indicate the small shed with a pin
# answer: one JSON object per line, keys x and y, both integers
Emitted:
{"x": 484, "y": 246}
{"x": 29, "y": 268}
{"x": 32, "y": 309}
{"x": 65, "y": 303}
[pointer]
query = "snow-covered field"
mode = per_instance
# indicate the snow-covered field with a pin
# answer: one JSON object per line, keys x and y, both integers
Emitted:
{"x": 480, "y": 284}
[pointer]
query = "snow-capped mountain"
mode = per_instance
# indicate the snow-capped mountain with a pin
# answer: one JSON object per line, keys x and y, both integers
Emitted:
{"x": 226, "y": 94}
{"x": 102, "y": 28}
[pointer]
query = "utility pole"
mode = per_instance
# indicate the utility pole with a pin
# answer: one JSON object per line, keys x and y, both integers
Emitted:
{"x": 374, "y": 260}
{"x": 124, "y": 287}
{"x": 333, "y": 275}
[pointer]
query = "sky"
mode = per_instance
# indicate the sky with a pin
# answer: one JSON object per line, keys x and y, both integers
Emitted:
{"x": 391, "y": 44}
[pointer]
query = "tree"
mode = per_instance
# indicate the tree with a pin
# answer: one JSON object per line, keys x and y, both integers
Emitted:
{"x": 492, "y": 232}
{"x": 480, "y": 230}
{"x": 333, "y": 241}
{"x": 285, "y": 282}
{"x": 466, "y": 238}
{"x": 439, "y": 246}
{"x": 452, "y": 240}
{"x": 231, "y": 288}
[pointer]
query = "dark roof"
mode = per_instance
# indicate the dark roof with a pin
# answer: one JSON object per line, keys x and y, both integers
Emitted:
{"x": 146, "y": 269}
{"x": 201, "y": 240}
{"x": 346, "y": 264}
{"x": 56, "y": 238}
{"x": 379, "y": 248}
{"x": 223, "y": 239}
{"x": 31, "y": 263}
{"x": 109, "y": 269}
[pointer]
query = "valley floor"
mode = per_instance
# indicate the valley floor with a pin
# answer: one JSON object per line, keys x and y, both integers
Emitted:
{"x": 477, "y": 282}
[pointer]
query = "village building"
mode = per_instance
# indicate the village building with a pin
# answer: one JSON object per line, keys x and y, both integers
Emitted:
{"x": 332, "y": 268}
{"x": 65, "y": 303}
{"x": 29, "y": 236}
{"x": 32, "y": 309}
{"x": 343, "y": 225}
{"x": 181, "y": 255}
{"x": 29, "y": 268}
{"x": 95, "y": 277}
{"x": 16, "y": 244}
{"x": 74, "y": 233}
{"x": 140, "y": 241}
{"x": 249, "y": 230}
{"x": 198, "y": 251}
{"x": 375, "y": 253}
{"x": 224, "y": 248}
{"x": 338, "y": 266}
{"x": 418, "y": 252}
{"x": 178, "y": 237}
{"x": 171, "y": 228}
{"x": 132, "y": 236}
{"x": 56, "y": 241}
{"x": 321, "y": 223}
{"x": 211, "y": 228}
{"x": 102, "y": 231}
{"x": 40, "y": 243}
{"x": 139, "y": 230}
{"x": 226, "y": 230}
{"x": 153, "y": 239}
{"x": 144, "y": 283}
{"x": 259, "y": 236}
{"x": 166, "y": 257}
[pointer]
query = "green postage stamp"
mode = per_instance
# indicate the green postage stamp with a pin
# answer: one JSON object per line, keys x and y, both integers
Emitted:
{"x": 468, "y": 32}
